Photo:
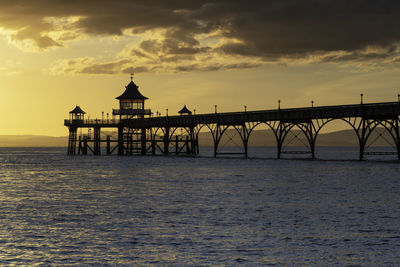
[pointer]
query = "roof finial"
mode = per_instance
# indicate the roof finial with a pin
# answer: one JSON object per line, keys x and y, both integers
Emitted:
{"x": 131, "y": 77}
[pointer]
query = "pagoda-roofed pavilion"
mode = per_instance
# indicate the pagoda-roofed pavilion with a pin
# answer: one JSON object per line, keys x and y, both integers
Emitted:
{"x": 185, "y": 111}
{"x": 131, "y": 103}
{"x": 77, "y": 113}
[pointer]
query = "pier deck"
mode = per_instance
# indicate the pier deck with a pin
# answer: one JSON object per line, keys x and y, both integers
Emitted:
{"x": 363, "y": 118}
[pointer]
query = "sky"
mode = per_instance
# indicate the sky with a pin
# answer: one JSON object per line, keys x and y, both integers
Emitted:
{"x": 55, "y": 54}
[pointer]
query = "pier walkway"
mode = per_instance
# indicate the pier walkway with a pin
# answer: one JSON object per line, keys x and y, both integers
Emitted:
{"x": 145, "y": 135}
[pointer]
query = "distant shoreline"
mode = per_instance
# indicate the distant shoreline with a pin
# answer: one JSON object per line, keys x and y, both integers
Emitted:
{"x": 259, "y": 138}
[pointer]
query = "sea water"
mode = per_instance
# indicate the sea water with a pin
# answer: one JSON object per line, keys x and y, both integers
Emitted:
{"x": 58, "y": 210}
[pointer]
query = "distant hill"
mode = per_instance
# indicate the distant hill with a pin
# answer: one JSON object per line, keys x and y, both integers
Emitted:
{"x": 231, "y": 138}
{"x": 267, "y": 138}
{"x": 32, "y": 141}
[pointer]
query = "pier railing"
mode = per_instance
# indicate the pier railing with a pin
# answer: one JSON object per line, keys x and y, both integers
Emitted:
{"x": 90, "y": 122}
{"x": 373, "y": 110}
{"x": 131, "y": 112}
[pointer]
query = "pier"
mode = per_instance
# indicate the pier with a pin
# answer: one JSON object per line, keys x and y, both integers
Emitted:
{"x": 139, "y": 132}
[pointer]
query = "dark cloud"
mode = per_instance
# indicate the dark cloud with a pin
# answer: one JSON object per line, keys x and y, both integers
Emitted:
{"x": 266, "y": 29}
{"x": 214, "y": 67}
{"x": 88, "y": 66}
{"x": 174, "y": 43}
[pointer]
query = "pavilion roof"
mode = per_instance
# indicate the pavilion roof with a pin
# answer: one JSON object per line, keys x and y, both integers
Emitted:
{"x": 185, "y": 110}
{"x": 77, "y": 110}
{"x": 131, "y": 92}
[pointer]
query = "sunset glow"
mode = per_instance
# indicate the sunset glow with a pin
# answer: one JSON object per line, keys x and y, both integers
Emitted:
{"x": 56, "y": 54}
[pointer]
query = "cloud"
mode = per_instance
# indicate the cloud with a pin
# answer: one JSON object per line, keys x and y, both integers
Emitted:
{"x": 215, "y": 67}
{"x": 91, "y": 66}
{"x": 267, "y": 30}
{"x": 394, "y": 60}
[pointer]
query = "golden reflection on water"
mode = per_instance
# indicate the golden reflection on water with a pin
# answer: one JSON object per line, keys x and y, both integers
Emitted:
{"x": 58, "y": 210}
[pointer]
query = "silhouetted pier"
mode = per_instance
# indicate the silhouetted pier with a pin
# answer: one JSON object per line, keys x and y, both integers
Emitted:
{"x": 141, "y": 133}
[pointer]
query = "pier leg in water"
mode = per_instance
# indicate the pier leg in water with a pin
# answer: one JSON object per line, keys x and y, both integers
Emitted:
{"x": 153, "y": 147}
{"x": 192, "y": 141}
{"x": 311, "y": 140}
{"x": 72, "y": 141}
{"x": 309, "y": 130}
{"x": 216, "y": 139}
{"x": 97, "y": 150}
{"x": 176, "y": 145}
{"x": 143, "y": 142}
{"x": 397, "y": 138}
{"x": 80, "y": 145}
{"x": 85, "y": 145}
{"x": 120, "y": 141}
{"x": 108, "y": 145}
{"x": 166, "y": 141}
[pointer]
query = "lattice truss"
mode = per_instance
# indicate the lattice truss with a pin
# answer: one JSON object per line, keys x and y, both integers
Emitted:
{"x": 171, "y": 140}
{"x": 367, "y": 131}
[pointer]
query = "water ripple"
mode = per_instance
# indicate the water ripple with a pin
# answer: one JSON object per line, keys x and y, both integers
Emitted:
{"x": 150, "y": 211}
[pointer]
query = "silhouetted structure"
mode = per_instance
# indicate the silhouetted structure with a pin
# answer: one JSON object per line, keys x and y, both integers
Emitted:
{"x": 76, "y": 116}
{"x": 184, "y": 111}
{"x": 131, "y": 107}
{"x": 140, "y": 133}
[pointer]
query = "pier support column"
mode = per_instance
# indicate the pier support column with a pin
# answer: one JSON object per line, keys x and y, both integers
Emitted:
{"x": 397, "y": 137}
{"x": 309, "y": 130}
{"x": 80, "y": 145}
{"x": 120, "y": 141}
{"x": 279, "y": 139}
{"x": 72, "y": 141}
{"x": 108, "y": 145}
{"x": 192, "y": 141}
{"x": 188, "y": 147}
{"x": 85, "y": 145}
{"x": 245, "y": 144}
{"x": 280, "y": 135}
{"x": 217, "y": 137}
{"x": 279, "y": 150}
{"x": 176, "y": 145}
{"x": 153, "y": 147}
{"x": 362, "y": 138}
{"x": 363, "y": 128}
{"x": 97, "y": 149}
{"x": 311, "y": 140}
{"x": 244, "y": 134}
{"x": 166, "y": 141}
{"x": 143, "y": 142}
